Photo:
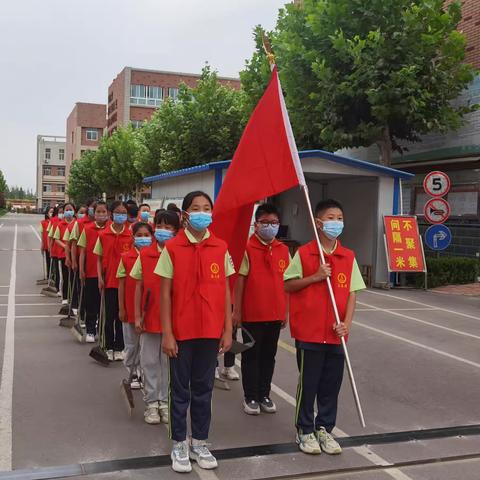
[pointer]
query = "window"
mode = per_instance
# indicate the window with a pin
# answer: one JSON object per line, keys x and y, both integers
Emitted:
{"x": 48, "y": 153}
{"x": 82, "y": 152}
{"x": 155, "y": 96}
{"x": 47, "y": 171}
{"x": 173, "y": 93}
{"x": 137, "y": 123}
{"x": 61, "y": 171}
{"x": 61, "y": 188}
{"x": 92, "y": 134}
{"x": 61, "y": 154}
{"x": 72, "y": 136}
{"x": 47, "y": 187}
{"x": 138, "y": 94}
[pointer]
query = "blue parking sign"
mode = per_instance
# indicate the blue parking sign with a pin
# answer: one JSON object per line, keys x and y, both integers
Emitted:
{"x": 438, "y": 237}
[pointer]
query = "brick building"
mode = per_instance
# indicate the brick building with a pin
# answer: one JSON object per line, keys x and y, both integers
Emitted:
{"x": 51, "y": 165}
{"x": 135, "y": 93}
{"x": 85, "y": 127}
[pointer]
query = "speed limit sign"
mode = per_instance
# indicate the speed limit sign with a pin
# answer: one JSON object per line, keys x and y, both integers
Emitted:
{"x": 436, "y": 184}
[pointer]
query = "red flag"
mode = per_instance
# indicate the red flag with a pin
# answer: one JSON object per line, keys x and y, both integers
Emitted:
{"x": 265, "y": 163}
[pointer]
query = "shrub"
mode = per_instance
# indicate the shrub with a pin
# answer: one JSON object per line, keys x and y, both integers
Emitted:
{"x": 449, "y": 271}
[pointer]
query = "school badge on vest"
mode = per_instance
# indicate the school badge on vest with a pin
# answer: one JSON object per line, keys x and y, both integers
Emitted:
{"x": 214, "y": 269}
{"x": 342, "y": 280}
{"x": 282, "y": 264}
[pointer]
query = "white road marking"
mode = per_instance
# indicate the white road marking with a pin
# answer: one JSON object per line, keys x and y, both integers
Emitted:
{"x": 421, "y": 309}
{"x": 420, "y": 345}
{"x": 423, "y": 304}
{"x": 204, "y": 474}
{"x": 36, "y": 233}
{"x": 38, "y": 316}
{"x": 6, "y": 385}
{"x": 32, "y": 304}
{"x": 24, "y": 295}
{"x": 363, "y": 450}
{"x": 413, "y": 319}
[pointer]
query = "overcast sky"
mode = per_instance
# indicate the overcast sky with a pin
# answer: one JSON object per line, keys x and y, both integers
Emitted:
{"x": 58, "y": 52}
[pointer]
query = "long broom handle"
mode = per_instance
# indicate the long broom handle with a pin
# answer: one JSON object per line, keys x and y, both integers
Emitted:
{"x": 337, "y": 316}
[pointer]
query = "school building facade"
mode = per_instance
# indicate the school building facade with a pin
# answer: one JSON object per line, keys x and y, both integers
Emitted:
{"x": 85, "y": 127}
{"x": 367, "y": 192}
{"x": 51, "y": 166}
{"x": 135, "y": 93}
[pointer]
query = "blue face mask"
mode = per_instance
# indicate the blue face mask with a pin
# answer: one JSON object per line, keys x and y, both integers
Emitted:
{"x": 60, "y": 216}
{"x": 145, "y": 216}
{"x": 267, "y": 232}
{"x": 119, "y": 218}
{"x": 332, "y": 228}
{"x": 91, "y": 211}
{"x": 80, "y": 215}
{"x": 200, "y": 220}
{"x": 162, "y": 235}
{"x": 68, "y": 214}
{"x": 141, "y": 242}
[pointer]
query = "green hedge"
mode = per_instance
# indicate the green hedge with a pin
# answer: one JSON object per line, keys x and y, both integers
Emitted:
{"x": 450, "y": 271}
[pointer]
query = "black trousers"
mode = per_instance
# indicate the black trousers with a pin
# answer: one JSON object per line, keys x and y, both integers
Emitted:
{"x": 229, "y": 358}
{"x": 75, "y": 288}
{"x": 91, "y": 304}
{"x": 192, "y": 374}
{"x": 113, "y": 325}
{"x": 321, "y": 374}
{"x": 258, "y": 363}
{"x": 47, "y": 262}
{"x": 65, "y": 278}
{"x": 56, "y": 272}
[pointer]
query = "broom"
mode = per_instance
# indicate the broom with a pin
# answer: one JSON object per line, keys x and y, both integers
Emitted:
{"x": 69, "y": 320}
{"x": 44, "y": 280}
{"x": 126, "y": 386}
{"x": 77, "y": 331}
{"x": 50, "y": 290}
{"x": 65, "y": 309}
{"x": 98, "y": 352}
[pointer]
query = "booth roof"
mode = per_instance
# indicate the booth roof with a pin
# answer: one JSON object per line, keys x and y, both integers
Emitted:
{"x": 333, "y": 157}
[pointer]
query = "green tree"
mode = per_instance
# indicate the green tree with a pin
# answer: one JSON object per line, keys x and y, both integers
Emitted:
{"x": 81, "y": 184}
{"x": 359, "y": 73}
{"x": 115, "y": 161}
{"x": 3, "y": 190}
{"x": 204, "y": 124}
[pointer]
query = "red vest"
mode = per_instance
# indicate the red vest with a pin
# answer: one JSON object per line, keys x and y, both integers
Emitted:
{"x": 59, "y": 252}
{"x": 264, "y": 298}
{"x": 311, "y": 312}
{"x": 113, "y": 245}
{"x": 91, "y": 233}
{"x": 45, "y": 234}
{"x": 199, "y": 287}
{"x": 53, "y": 223}
{"x": 149, "y": 257}
{"x": 128, "y": 259}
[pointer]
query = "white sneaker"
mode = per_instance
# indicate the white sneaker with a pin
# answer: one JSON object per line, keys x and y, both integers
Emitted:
{"x": 59, "y": 294}
{"x": 118, "y": 356}
{"x": 163, "y": 412}
{"x": 230, "y": 373}
{"x": 151, "y": 415}
{"x": 327, "y": 443}
{"x": 267, "y": 405}
{"x": 251, "y": 407}
{"x": 90, "y": 338}
{"x": 308, "y": 443}
{"x": 110, "y": 355}
{"x": 217, "y": 373}
{"x": 180, "y": 457}
{"x": 135, "y": 383}
{"x": 202, "y": 455}
{"x": 65, "y": 302}
{"x": 75, "y": 311}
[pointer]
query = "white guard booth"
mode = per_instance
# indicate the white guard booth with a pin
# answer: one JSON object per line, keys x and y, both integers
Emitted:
{"x": 366, "y": 190}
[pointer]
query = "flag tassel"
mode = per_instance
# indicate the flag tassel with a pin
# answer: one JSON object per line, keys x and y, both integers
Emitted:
{"x": 334, "y": 304}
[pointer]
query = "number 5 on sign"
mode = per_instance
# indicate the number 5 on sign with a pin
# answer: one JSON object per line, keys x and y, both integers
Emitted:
{"x": 436, "y": 184}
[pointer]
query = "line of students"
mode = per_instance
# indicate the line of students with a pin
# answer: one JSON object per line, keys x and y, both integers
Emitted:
{"x": 183, "y": 269}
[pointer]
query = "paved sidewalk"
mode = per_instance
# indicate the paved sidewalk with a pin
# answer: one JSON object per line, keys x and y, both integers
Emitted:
{"x": 471, "y": 289}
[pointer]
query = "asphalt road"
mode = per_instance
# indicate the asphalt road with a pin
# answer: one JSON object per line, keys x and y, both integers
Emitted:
{"x": 415, "y": 355}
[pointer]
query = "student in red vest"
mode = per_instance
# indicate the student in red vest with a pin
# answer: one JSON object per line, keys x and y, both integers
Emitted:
{"x": 88, "y": 267}
{"x": 144, "y": 214}
{"x": 153, "y": 361}
{"x": 132, "y": 212}
{"x": 44, "y": 226}
{"x": 261, "y": 277}
{"x": 57, "y": 217}
{"x": 195, "y": 311}
{"x": 142, "y": 237}
{"x": 320, "y": 355}
{"x": 111, "y": 243}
